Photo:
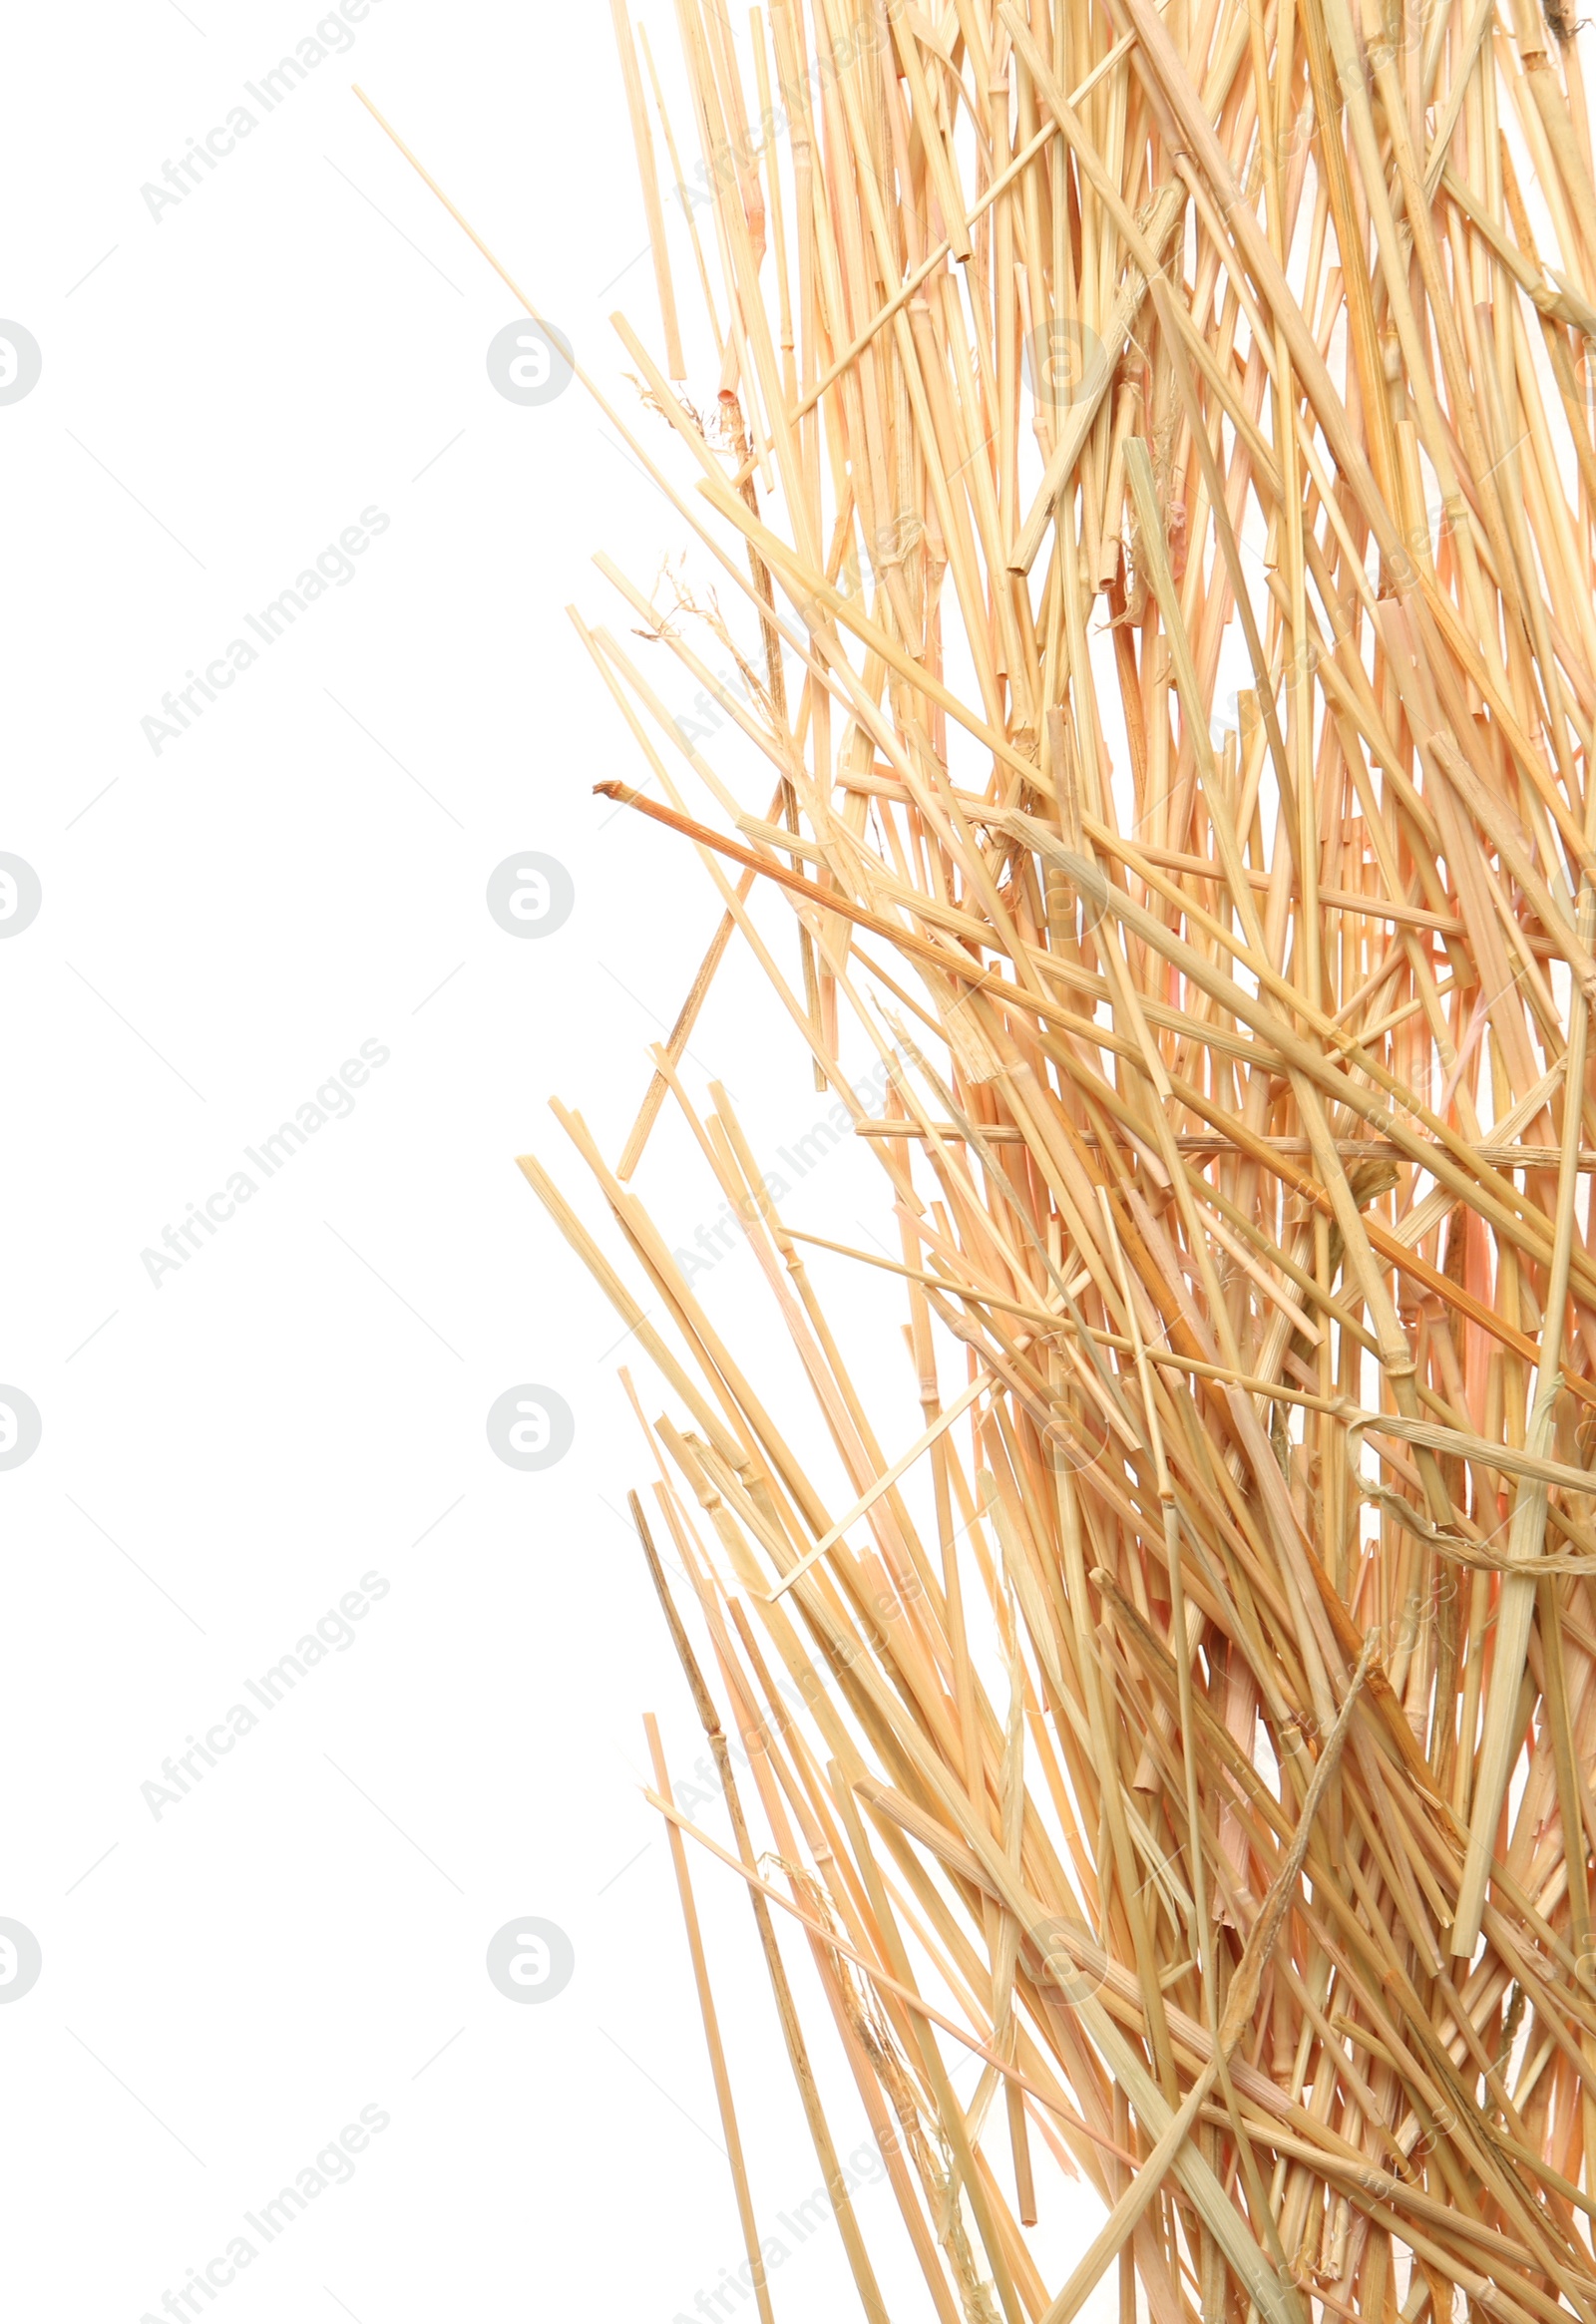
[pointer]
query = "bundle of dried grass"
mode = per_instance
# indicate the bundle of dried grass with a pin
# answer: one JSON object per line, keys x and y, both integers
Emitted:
{"x": 1222, "y": 1737}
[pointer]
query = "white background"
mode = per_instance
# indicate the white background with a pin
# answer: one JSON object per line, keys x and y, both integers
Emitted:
{"x": 224, "y": 389}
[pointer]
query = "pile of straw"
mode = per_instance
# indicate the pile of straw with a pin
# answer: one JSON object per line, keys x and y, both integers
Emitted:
{"x": 1217, "y": 1740}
